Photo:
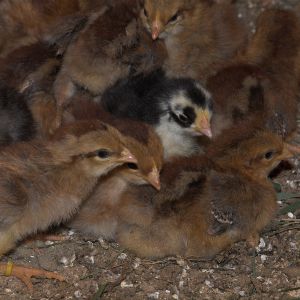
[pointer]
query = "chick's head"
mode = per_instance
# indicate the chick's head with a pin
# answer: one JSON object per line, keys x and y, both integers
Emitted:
{"x": 163, "y": 18}
{"x": 149, "y": 157}
{"x": 190, "y": 106}
{"x": 94, "y": 146}
{"x": 257, "y": 154}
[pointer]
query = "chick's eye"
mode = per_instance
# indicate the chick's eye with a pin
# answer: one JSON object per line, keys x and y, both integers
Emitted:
{"x": 145, "y": 13}
{"x": 269, "y": 155}
{"x": 103, "y": 153}
{"x": 183, "y": 118}
{"x": 174, "y": 18}
{"x": 132, "y": 166}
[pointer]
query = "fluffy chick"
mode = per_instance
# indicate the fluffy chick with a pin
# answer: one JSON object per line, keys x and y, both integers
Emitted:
{"x": 97, "y": 215}
{"x": 109, "y": 47}
{"x": 262, "y": 79}
{"x": 31, "y": 70}
{"x": 199, "y": 35}
{"x": 178, "y": 108}
{"x": 228, "y": 186}
{"x": 43, "y": 183}
{"x": 28, "y": 65}
{"x": 25, "y": 23}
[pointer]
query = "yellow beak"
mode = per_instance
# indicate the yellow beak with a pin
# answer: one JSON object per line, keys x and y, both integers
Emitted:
{"x": 153, "y": 178}
{"x": 202, "y": 123}
{"x": 290, "y": 151}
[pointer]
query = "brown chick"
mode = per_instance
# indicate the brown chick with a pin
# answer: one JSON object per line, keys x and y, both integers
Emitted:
{"x": 110, "y": 47}
{"x": 97, "y": 216}
{"x": 226, "y": 188}
{"x": 31, "y": 70}
{"x": 27, "y": 22}
{"x": 262, "y": 80}
{"x": 43, "y": 183}
{"x": 24, "y": 68}
{"x": 199, "y": 35}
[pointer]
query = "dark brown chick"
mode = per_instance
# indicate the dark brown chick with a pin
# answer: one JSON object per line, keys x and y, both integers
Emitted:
{"x": 199, "y": 35}
{"x": 43, "y": 183}
{"x": 262, "y": 80}
{"x": 226, "y": 192}
{"x": 110, "y": 47}
{"x": 28, "y": 65}
{"x": 31, "y": 71}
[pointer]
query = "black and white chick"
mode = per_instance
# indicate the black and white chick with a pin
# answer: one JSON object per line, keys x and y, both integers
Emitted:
{"x": 180, "y": 109}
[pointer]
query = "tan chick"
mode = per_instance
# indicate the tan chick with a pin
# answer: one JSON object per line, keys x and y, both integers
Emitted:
{"x": 97, "y": 216}
{"x": 43, "y": 183}
{"x": 199, "y": 35}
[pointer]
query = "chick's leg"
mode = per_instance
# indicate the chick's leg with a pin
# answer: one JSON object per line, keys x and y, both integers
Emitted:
{"x": 8, "y": 240}
{"x": 25, "y": 273}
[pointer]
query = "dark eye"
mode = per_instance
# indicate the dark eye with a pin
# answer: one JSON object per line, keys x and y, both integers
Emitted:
{"x": 132, "y": 166}
{"x": 269, "y": 155}
{"x": 145, "y": 13}
{"x": 183, "y": 118}
{"x": 103, "y": 153}
{"x": 174, "y": 18}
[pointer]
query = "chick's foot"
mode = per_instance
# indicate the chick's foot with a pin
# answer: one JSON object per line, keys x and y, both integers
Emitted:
{"x": 25, "y": 273}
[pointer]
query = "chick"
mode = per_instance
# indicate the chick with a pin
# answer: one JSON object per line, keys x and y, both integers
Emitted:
{"x": 261, "y": 80}
{"x": 227, "y": 187}
{"x": 97, "y": 215}
{"x": 199, "y": 35}
{"x": 25, "y": 23}
{"x": 31, "y": 71}
{"x": 178, "y": 108}
{"x": 109, "y": 47}
{"x": 28, "y": 64}
{"x": 16, "y": 121}
{"x": 43, "y": 183}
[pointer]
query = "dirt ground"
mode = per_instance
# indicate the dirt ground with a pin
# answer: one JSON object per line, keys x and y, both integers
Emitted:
{"x": 96, "y": 269}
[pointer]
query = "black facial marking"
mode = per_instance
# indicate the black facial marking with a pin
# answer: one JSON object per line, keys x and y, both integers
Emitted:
{"x": 185, "y": 118}
{"x": 197, "y": 96}
{"x": 190, "y": 89}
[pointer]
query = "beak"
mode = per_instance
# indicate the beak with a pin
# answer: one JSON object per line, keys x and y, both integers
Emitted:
{"x": 202, "y": 123}
{"x": 155, "y": 30}
{"x": 153, "y": 179}
{"x": 288, "y": 151}
{"x": 127, "y": 157}
{"x": 292, "y": 149}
